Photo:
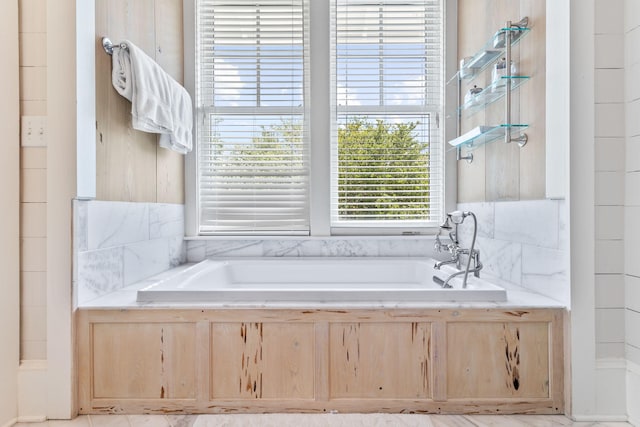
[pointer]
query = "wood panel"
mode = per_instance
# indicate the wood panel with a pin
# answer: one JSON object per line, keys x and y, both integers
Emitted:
{"x": 154, "y": 361}
{"x": 262, "y": 360}
{"x": 314, "y": 360}
{"x": 498, "y": 360}
{"x": 380, "y": 360}
{"x": 130, "y": 165}
{"x": 504, "y": 171}
{"x": 532, "y": 101}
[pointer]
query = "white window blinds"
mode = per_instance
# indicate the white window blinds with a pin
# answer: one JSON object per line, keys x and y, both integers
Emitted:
{"x": 252, "y": 134}
{"x": 387, "y": 159}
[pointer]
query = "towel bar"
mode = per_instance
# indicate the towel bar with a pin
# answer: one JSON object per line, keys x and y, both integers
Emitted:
{"x": 108, "y": 46}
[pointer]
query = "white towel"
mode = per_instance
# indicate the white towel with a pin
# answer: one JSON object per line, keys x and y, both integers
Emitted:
{"x": 159, "y": 104}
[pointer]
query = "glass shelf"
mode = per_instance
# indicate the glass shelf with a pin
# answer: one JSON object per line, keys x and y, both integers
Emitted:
{"x": 490, "y": 52}
{"x": 492, "y": 93}
{"x": 482, "y": 135}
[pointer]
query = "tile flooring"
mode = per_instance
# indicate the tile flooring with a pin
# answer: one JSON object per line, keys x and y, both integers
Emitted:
{"x": 321, "y": 420}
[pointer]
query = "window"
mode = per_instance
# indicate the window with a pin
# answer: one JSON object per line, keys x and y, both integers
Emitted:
{"x": 253, "y": 110}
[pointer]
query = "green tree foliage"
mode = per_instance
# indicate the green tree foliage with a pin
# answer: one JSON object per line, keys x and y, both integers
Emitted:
{"x": 383, "y": 171}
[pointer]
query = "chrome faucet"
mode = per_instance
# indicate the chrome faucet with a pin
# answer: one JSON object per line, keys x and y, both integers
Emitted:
{"x": 456, "y": 218}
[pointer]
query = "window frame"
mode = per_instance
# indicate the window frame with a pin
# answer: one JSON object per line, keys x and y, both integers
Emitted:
{"x": 320, "y": 129}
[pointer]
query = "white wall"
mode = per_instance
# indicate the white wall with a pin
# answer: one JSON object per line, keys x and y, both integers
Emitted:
{"x": 9, "y": 222}
{"x": 632, "y": 206}
{"x": 61, "y": 189}
{"x": 609, "y": 131}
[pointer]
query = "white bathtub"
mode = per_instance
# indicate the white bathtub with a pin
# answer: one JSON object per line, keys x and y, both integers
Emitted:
{"x": 316, "y": 280}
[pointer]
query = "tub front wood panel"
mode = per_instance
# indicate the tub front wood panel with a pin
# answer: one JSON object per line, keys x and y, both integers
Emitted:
{"x": 153, "y": 361}
{"x": 380, "y": 360}
{"x": 262, "y": 361}
{"x": 513, "y": 356}
{"x": 311, "y": 360}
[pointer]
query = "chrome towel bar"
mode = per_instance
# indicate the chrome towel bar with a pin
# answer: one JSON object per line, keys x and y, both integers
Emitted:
{"x": 108, "y": 46}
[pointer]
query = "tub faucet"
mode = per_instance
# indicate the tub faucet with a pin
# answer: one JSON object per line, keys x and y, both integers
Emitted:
{"x": 456, "y": 218}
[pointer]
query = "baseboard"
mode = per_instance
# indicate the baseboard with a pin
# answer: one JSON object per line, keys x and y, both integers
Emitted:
{"x": 34, "y": 419}
{"x": 10, "y": 423}
{"x": 32, "y": 391}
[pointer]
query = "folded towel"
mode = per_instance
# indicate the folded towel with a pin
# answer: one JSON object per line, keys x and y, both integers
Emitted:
{"x": 159, "y": 104}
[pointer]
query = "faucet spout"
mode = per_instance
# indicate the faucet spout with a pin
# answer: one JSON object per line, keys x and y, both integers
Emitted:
{"x": 439, "y": 264}
{"x": 456, "y": 218}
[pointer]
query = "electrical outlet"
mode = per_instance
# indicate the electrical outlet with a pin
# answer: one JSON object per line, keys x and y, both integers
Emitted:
{"x": 34, "y": 131}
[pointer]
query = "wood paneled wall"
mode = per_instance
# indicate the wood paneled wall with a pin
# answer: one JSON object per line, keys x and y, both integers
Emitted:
{"x": 504, "y": 171}
{"x": 130, "y": 165}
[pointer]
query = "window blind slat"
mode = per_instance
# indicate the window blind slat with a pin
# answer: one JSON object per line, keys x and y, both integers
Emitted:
{"x": 387, "y": 89}
{"x": 253, "y": 148}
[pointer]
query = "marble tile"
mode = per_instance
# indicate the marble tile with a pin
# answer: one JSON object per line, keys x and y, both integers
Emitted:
{"x": 99, "y": 272}
{"x": 485, "y": 214}
{"x": 166, "y": 220}
{"x": 182, "y": 420}
{"x": 177, "y": 251}
{"x": 501, "y": 258}
{"x": 533, "y": 222}
{"x": 563, "y": 226}
{"x": 110, "y": 421}
{"x": 545, "y": 271}
{"x": 148, "y": 421}
{"x": 196, "y": 250}
{"x": 145, "y": 259}
{"x": 408, "y": 248}
{"x": 80, "y": 217}
{"x": 349, "y": 248}
{"x": 117, "y": 223}
{"x": 224, "y": 248}
{"x": 321, "y": 420}
{"x": 451, "y": 421}
{"x": 280, "y": 248}
{"x": 81, "y": 421}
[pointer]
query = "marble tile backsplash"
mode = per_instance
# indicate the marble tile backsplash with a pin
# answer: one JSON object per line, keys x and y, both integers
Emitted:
{"x": 523, "y": 243}
{"x": 198, "y": 250}
{"x": 119, "y": 243}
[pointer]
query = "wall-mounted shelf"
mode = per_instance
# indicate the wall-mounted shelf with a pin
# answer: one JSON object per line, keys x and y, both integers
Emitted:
{"x": 498, "y": 46}
{"x": 481, "y": 135}
{"x": 492, "y": 93}
{"x": 489, "y": 53}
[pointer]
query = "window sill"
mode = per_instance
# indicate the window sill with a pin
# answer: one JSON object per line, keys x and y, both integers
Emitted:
{"x": 335, "y": 238}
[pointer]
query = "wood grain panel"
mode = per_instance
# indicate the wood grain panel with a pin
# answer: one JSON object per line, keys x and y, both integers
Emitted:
{"x": 533, "y": 100}
{"x": 262, "y": 360}
{"x": 129, "y": 164}
{"x": 498, "y": 360}
{"x": 380, "y": 360}
{"x": 127, "y": 357}
{"x": 143, "y": 361}
{"x": 504, "y": 171}
{"x": 170, "y": 56}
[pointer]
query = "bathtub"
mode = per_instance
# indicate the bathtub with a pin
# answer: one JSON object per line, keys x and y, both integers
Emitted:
{"x": 334, "y": 280}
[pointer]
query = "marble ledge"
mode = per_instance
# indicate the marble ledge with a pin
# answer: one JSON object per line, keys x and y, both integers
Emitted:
{"x": 517, "y": 298}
